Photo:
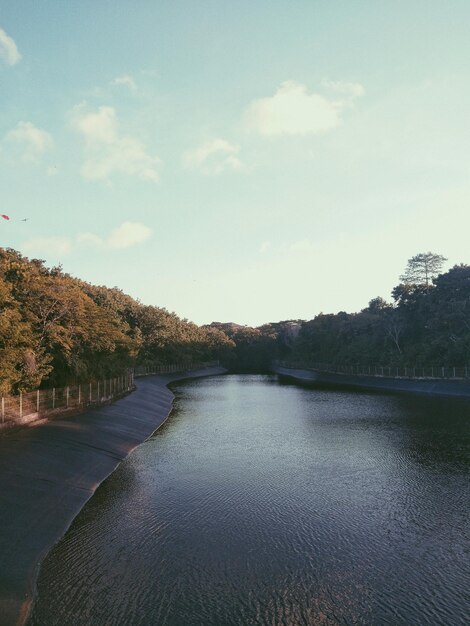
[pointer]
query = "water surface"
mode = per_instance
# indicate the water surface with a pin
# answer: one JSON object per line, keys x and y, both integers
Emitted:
{"x": 262, "y": 503}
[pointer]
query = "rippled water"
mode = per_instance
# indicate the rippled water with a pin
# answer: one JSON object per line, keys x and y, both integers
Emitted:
{"x": 262, "y": 503}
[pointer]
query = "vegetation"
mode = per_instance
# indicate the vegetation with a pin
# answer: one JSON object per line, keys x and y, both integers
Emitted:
{"x": 428, "y": 323}
{"x": 256, "y": 348}
{"x": 56, "y": 329}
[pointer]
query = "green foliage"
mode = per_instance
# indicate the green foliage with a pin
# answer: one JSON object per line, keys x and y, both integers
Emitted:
{"x": 422, "y": 268}
{"x": 429, "y": 324}
{"x": 255, "y": 348}
{"x": 56, "y": 329}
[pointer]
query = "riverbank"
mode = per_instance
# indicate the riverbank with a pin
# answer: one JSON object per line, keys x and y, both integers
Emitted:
{"x": 421, "y": 386}
{"x": 48, "y": 473}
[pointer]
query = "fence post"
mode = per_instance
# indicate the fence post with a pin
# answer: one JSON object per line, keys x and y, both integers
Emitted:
{"x": 454, "y": 372}
{"x": 53, "y": 397}
{"x": 21, "y": 404}
{"x": 67, "y": 396}
{"x": 3, "y": 410}
{"x": 37, "y": 402}
{"x": 98, "y": 398}
{"x": 79, "y": 395}
{"x": 90, "y": 393}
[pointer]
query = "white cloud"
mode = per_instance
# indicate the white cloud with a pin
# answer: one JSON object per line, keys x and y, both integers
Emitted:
{"x": 30, "y": 142}
{"x": 107, "y": 151}
{"x": 293, "y": 111}
{"x": 124, "y": 236}
{"x": 89, "y": 239}
{"x": 265, "y": 247}
{"x": 349, "y": 90}
{"x": 304, "y": 245}
{"x": 128, "y": 234}
{"x": 48, "y": 246}
{"x": 8, "y": 50}
{"x": 125, "y": 81}
{"x": 213, "y": 157}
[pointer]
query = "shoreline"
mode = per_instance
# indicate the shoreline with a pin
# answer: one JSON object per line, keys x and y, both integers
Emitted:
{"x": 416, "y": 386}
{"x": 49, "y": 471}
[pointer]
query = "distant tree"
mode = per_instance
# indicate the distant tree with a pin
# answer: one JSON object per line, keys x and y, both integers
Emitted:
{"x": 377, "y": 305}
{"x": 422, "y": 268}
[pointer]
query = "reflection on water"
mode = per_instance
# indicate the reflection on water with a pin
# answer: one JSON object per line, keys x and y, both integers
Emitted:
{"x": 261, "y": 503}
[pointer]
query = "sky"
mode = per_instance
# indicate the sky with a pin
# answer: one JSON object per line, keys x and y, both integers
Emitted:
{"x": 233, "y": 160}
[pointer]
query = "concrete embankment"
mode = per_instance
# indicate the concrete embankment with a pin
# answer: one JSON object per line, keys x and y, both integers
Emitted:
{"x": 423, "y": 386}
{"x": 48, "y": 472}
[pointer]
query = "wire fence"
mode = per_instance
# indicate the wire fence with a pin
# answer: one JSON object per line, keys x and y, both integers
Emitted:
{"x": 428, "y": 372}
{"x": 29, "y": 406}
{"x": 152, "y": 369}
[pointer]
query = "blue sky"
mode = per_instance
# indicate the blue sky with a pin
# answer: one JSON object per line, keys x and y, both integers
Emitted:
{"x": 236, "y": 161}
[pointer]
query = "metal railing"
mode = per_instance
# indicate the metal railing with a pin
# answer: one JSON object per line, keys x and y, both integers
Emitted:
{"x": 16, "y": 410}
{"x": 428, "y": 372}
{"x": 152, "y": 369}
{"x": 26, "y": 406}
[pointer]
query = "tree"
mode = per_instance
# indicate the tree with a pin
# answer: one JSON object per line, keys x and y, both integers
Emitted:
{"x": 422, "y": 268}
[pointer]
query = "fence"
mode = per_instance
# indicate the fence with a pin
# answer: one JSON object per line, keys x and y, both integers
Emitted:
{"x": 429, "y": 372}
{"x": 147, "y": 370}
{"x": 27, "y": 407}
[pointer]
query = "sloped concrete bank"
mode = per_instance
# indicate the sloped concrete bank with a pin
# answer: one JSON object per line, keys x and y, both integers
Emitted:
{"x": 423, "y": 386}
{"x": 48, "y": 472}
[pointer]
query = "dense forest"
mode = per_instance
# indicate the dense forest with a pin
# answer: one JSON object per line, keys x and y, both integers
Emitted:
{"x": 427, "y": 323}
{"x": 56, "y": 329}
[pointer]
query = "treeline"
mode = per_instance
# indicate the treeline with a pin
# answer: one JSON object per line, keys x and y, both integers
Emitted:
{"x": 256, "y": 348}
{"x": 426, "y": 323}
{"x": 56, "y": 329}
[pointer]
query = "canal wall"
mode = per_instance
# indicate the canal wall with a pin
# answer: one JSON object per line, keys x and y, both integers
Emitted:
{"x": 48, "y": 473}
{"x": 426, "y": 386}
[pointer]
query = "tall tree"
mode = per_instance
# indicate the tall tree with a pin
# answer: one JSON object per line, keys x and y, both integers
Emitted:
{"x": 422, "y": 268}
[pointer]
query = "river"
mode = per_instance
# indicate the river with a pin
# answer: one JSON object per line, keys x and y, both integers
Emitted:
{"x": 260, "y": 503}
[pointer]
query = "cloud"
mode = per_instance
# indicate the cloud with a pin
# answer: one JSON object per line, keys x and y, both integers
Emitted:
{"x": 127, "y": 235}
{"x": 124, "y": 81}
{"x": 49, "y": 246}
{"x": 213, "y": 157}
{"x": 89, "y": 239}
{"x": 124, "y": 236}
{"x": 28, "y": 141}
{"x": 349, "y": 90}
{"x": 8, "y": 50}
{"x": 293, "y": 111}
{"x": 265, "y": 247}
{"x": 107, "y": 151}
{"x": 304, "y": 245}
